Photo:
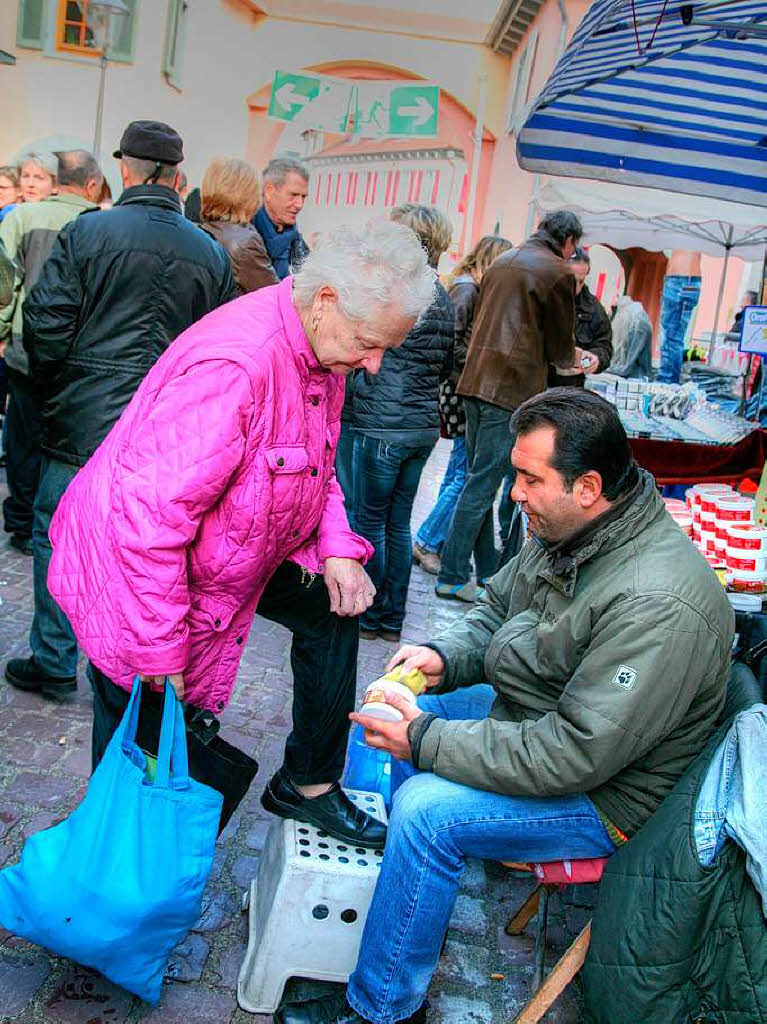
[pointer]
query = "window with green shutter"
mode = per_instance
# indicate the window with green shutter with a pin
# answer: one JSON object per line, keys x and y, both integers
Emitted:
{"x": 175, "y": 32}
{"x": 31, "y": 19}
{"x": 123, "y": 48}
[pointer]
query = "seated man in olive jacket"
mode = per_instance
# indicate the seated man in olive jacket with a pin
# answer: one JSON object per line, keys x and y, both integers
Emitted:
{"x": 563, "y": 708}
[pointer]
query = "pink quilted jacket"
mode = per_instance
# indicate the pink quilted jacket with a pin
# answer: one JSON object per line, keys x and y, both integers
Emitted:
{"x": 219, "y": 469}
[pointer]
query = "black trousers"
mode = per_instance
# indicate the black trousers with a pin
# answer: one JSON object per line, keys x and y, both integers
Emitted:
{"x": 323, "y": 657}
{"x": 22, "y": 453}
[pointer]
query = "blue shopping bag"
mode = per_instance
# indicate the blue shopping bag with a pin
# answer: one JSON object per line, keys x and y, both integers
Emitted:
{"x": 120, "y": 882}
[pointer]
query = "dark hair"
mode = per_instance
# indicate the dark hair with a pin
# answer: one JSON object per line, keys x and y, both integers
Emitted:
{"x": 581, "y": 256}
{"x": 588, "y": 435}
{"x": 561, "y": 225}
{"x": 77, "y": 167}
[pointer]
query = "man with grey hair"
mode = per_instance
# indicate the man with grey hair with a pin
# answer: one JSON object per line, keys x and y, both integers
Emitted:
{"x": 285, "y": 188}
{"x": 28, "y": 234}
{"x": 120, "y": 285}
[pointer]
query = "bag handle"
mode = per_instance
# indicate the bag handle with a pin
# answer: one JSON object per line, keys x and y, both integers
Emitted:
{"x": 172, "y": 749}
{"x": 129, "y": 723}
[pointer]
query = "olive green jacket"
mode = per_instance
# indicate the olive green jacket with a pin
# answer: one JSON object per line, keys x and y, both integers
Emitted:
{"x": 610, "y": 658}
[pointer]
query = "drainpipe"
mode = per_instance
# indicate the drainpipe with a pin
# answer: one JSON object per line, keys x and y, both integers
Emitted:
{"x": 536, "y": 177}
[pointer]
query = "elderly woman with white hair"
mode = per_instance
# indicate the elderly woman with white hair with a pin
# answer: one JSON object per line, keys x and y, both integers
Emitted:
{"x": 37, "y": 176}
{"x": 214, "y": 497}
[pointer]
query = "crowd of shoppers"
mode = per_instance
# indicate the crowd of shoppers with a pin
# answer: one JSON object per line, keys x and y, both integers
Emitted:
{"x": 211, "y": 357}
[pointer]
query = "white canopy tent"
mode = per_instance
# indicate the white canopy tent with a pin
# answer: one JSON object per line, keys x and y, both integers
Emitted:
{"x": 623, "y": 216}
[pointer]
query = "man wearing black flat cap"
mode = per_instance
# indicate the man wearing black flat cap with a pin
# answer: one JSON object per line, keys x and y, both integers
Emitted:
{"x": 119, "y": 286}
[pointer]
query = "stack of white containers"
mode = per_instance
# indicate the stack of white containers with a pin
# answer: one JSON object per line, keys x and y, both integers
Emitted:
{"x": 723, "y": 528}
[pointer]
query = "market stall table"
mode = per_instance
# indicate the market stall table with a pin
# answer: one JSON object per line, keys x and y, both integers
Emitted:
{"x": 682, "y": 462}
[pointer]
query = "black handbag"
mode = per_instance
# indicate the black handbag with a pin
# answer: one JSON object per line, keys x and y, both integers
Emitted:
{"x": 211, "y": 759}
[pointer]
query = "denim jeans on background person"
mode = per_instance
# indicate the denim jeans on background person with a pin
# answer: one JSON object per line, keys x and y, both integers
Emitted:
{"x": 435, "y": 825}
{"x": 730, "y": 803}
{"x": 345, "y": 468}
{"x": 51, "y": 638}
{"x": 472, "y": 528}
{"x": 21, "y": 430}
{"x": 679, "y": 299}
{"x": 386, "y": 477}
{"x": 433, "y": 531}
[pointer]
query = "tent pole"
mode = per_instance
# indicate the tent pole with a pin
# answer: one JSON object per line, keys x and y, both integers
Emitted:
{"x": 720, "y": 296}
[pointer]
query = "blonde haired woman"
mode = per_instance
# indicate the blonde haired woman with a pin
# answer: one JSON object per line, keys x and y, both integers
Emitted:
{"x": 464, "y": 289}
{"x": 230, "y": 197}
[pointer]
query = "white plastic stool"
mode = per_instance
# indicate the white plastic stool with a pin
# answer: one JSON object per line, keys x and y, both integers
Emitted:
{"x": 308, "y": 906}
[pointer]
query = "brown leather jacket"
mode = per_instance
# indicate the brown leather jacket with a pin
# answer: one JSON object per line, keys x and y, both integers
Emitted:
{"x": 524, "y": 321}
{"x": 251, "y": 267}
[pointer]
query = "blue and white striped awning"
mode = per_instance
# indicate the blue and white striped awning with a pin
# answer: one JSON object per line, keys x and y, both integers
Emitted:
{"x": 641, "y": 98}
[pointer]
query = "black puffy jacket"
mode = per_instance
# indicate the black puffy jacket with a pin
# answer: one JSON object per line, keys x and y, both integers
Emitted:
{"x": 118, "y": 287}
{"x": 401, "y": 402}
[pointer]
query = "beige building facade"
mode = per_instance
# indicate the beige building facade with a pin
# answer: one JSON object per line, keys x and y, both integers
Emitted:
{"x": 207, "y": 66}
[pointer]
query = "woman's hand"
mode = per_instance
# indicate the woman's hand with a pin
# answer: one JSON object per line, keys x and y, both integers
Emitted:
{"x": 429, "y": 662}
{"x": 176, "y": 680}
{"x": 351, "y": 589}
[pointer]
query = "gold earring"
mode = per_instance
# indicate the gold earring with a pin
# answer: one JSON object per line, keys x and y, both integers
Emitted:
{"x": 315, "y": 324}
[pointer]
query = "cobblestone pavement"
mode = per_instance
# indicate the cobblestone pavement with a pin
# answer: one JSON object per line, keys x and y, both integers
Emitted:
{"x": 44, "y": 767}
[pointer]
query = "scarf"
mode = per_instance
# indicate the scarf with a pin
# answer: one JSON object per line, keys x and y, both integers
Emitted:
{"x": 278, "y": 243}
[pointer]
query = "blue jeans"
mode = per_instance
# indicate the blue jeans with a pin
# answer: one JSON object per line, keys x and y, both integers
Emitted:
{"x": 679, "y": 299}
{"x": 435, "y": 825}
{"x": 433, "y": 531}
{"x": 51, "y": 638}
{"x": 344, "y": 468}
{"x": 386, "y": 480}
{"x": 472, "y": 529}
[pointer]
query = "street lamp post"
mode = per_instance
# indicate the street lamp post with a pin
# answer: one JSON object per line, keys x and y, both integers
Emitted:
{"x": 104, "y": 17}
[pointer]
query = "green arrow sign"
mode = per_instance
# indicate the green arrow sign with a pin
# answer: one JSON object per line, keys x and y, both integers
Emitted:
{"x": 414, "y": 110}
{"x": 290, "y": 94}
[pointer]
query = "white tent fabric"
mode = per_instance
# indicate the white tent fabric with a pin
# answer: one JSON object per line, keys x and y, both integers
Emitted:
{"x": 623, "y": 216}
{"x": 654, "y": 94}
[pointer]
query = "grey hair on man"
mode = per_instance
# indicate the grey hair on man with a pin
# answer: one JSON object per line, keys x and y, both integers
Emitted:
{"x": 379, "y": 265}
{"x": 150, "y": 170}
{"x": 277, "y": 170}
{"x": 77, "y": 167}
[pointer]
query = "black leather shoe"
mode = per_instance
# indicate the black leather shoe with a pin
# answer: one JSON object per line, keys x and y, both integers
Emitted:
{"x": 25, "y": 674}
{"x": 333, "y": 812}
{"x": 331, "y": 1009}
{"x": 21, "y": 543}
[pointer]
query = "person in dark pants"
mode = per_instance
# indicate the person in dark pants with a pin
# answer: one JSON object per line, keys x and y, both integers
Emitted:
{"x": 28, "y": 234}
{"x": 92, "y": 328}
{"x": 213, "y": 498}
{"x": 324, "y": 661}
{"x": 524, "y": 321}
{"x": 395, "y": 419}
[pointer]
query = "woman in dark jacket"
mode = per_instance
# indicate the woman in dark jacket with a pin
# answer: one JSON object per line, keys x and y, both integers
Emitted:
{"x": 463, "y": 293}
{"x": 395, "y": 419}
{"x": 230, "y": 195}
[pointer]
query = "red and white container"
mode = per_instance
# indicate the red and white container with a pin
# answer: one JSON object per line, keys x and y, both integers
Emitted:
{"x": 747, "y": 564}
{"x": 683, "y": 520}
{"x": 734, "y": 508}
{"x": 746, "y": 537}
{"x": 697, "y": 494}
